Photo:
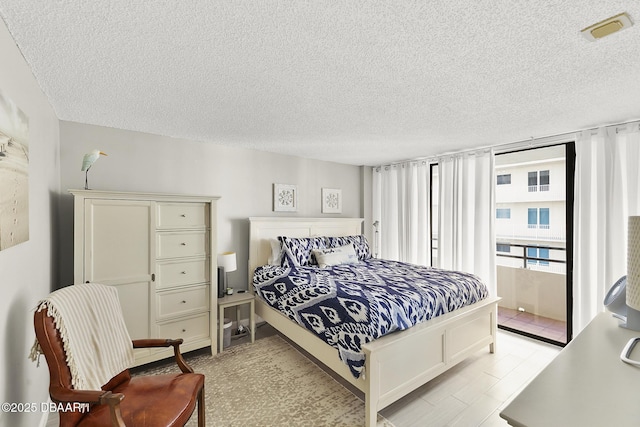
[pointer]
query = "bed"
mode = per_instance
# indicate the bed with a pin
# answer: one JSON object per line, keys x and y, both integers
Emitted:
{"x": 394, "y": 364}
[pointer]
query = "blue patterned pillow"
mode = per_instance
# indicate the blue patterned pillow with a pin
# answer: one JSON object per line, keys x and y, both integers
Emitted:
{"x": 297, "y": 251}
{"x": 359, "y": 243}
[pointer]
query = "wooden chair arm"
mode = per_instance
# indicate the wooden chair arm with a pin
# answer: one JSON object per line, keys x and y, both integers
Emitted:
{"x": 62, "y": 394}
{"x": 158, "y": 342}
{"x": 96, "y": 397}
{"x": 155, "y": 342}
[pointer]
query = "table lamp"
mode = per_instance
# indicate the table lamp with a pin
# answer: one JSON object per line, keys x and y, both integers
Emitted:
{"x": 226, "y": 264}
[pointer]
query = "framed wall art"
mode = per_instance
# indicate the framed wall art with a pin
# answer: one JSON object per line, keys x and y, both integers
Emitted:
{"x": 14, "y": 174}
{"x": 331, "y": 200}
{"x": 285, "y": 198}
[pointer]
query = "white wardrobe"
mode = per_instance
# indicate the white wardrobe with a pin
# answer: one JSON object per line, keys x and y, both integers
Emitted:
{"x": 156, "y": 250}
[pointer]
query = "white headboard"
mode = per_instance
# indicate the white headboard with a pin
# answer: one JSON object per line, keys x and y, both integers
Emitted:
{"x": 262, "y": 229}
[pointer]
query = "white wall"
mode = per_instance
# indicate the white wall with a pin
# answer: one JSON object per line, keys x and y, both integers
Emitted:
{"x": 27, "y": 270}
{"x": 242, "y": 178}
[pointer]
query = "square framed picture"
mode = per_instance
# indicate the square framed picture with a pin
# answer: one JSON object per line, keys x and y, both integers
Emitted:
{"x": 285, "y": 198}
{"x": 331, "y": 200}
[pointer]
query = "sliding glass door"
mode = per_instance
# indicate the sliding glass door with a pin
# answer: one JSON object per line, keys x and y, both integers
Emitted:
{"x": 534, "y": 231}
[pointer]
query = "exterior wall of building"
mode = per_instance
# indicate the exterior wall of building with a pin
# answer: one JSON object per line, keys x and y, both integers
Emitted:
{"x": 515, "y": 198}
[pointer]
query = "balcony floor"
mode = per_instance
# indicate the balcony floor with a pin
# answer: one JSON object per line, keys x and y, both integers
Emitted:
{"x": 528, "y": 322}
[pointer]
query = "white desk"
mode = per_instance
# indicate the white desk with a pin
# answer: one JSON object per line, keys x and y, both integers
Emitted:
{"x": 585, "y": 385}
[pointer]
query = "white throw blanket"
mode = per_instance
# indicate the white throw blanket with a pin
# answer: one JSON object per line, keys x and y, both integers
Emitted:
{"x": 93, "y": 332}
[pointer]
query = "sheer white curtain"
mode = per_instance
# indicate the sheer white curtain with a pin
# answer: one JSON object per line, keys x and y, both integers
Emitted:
{"x": 466, "y": 240}
{"x": 607, "y": 191}
{"x": 401, "y": 205}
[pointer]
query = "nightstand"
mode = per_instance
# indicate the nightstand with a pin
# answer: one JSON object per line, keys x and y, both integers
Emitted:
{"x": 236, "y": 300}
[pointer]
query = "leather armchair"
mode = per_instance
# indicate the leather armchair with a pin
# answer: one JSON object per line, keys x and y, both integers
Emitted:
{"x": 141, "y": 401}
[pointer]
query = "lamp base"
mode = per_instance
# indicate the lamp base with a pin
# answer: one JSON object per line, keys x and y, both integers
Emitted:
{"x": 633, "y": 319}
{"x": 222, "y": 282}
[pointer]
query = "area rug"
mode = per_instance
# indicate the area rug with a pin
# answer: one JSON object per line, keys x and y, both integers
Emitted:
{"x": 270, "y": 383}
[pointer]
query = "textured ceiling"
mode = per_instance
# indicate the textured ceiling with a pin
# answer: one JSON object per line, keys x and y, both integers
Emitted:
{"x": 351, "y": 81}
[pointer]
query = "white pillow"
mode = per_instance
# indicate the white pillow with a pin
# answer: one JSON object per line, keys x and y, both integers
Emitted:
{"x": 335, "y": 256}
{"x": 276, "y": 252}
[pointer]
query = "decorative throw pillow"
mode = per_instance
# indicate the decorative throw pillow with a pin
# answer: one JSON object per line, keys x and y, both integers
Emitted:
{"x": 297, "y": 251}
{"x": 359, "y": 243}
{"x": 276, "y": 252}
{"x": 335, "y": 256}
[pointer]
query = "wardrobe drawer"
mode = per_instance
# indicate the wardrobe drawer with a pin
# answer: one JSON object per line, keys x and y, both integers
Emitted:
{"x": 182, "y": 215}
{"x": 182, "y": 244}
{"x": 183, "y": 301}
{"x": 179, "y": 273}
{"x": 188, "y": 329}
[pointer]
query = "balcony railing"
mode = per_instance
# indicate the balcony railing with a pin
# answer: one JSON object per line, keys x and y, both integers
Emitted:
{"x": 551, "y": 264}
{"x": 533, "y": 291}
{"x": 536, "y": 188}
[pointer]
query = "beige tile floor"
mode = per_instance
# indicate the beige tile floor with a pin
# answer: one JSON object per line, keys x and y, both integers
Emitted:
{"x": 471, "y": 394}
{"x": 474, "y": 392}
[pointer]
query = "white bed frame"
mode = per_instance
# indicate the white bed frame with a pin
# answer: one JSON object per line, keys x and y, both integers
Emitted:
{"x": 396, "y": 364}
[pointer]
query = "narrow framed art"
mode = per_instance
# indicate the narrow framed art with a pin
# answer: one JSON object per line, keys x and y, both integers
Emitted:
{"x": 331, "y": 200}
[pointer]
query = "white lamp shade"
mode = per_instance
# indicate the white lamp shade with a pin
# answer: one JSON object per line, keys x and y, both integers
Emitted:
{"x": 227, "y": 260}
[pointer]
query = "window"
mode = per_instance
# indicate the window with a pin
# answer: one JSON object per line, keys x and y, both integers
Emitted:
{"x": 503, "y": 213}
{"x": 532, "y": 215}
{"x": 537, "y": 253}
{"x": 544, "y": 180}
{"x": 502, "y": 247}
{"x": 434, "y": 213}
{"x": 543, "y": 253}
{"x": 538, "y": 218}
{"x": 531, "y": 245}
{"x": 544, "y": 218}
{"x": 533, "y": 181}
{"x": 504, "y": 179}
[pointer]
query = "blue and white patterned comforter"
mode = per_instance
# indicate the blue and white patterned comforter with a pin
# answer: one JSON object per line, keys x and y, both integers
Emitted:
{"x": 351, "y": 304}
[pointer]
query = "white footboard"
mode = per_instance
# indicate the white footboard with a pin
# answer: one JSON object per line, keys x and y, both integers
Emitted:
{"x": 398, "y": 363}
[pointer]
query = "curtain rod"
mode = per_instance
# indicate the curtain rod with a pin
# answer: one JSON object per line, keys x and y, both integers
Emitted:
{"x": 543, "y": 140}
{"x": 528, "y": 143}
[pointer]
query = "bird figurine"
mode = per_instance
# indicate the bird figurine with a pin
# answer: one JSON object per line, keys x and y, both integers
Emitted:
{"x": 88, "y": 161}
